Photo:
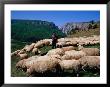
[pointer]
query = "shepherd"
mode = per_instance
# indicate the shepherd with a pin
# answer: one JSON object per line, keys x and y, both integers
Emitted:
{"x": 54, "y": 40}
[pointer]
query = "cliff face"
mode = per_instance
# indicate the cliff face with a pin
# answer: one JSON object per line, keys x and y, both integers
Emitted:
{"x": 75, "y": 25}
{"x": 34, "y": 22}
{"x": 78, "y": 26}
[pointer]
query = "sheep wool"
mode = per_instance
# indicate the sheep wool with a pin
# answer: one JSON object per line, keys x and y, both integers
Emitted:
{"x": 26, "y": 63}
{"x": 68, "y": 48}
{"x": 20, "y": 63}
{"x": 38, "y": 44}
{"x": 46, "y": 42}
{"x": 61, "y": 44}
{"x": 29, "y": 62}
{"x": 35, "y": 51}
{"x": 58, "y": 51}
{"x": 70, "y": 65}
{"x": 21, "y": 52}
{"x": 15, "y": 53}
{"x": 69, "y": 55}
{"x": 91, "y": 61}
{"x": 91, "y": 51}
{"x": 43, "y": 65}
{"x": 23, "y": 56}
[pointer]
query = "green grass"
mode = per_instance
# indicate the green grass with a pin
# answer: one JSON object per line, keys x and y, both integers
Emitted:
{"x": 93, "y": 46}
{"x": 87, "y": 33}
{"x": 15, "y": 45}
{"x": 45, "y": 49}
{"x": 14, "y": 71}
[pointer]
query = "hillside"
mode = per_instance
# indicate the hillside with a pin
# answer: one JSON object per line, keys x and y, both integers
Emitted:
{"x": 25, "y": 32}
{"x": 87, "y": 33}
{"x": 33, "y": 30}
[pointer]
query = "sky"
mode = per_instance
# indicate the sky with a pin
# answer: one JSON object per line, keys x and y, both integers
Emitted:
{"x": 58, "y": 17}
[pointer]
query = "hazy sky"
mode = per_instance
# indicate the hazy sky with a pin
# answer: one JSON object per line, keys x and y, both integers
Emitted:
{"x": 58, "y": 17}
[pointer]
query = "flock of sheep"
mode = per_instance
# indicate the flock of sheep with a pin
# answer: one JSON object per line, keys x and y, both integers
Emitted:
{"x": 70, "y": 55}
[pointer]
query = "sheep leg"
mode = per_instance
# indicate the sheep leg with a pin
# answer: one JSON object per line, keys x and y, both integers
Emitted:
{"x": 83, "y": 68}
{"x": 77, "y": 74}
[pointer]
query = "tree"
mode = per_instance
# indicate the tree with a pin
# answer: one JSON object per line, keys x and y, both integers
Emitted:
{"x": 92, "y": 22}
{"x": 95, "y": 26}
{"x": 90, "y": 26}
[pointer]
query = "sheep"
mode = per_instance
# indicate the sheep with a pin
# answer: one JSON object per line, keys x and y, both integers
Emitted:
{"x": 70, "y": 65}
{"x": 43, "y": 65}
{"x": 89, "y": 51}
{"x": 58, "y": 51}
{"x": 61, "y": 44}
{"x": 26, "y": 47}
{"x": 33, "y": 44}
{"x": 90, "y": 61}
{"x": 69, "y": 55}
{"x": 68, "y": 48}
{"x": 26, "y": 63}
{"x": 15, "y": 53}
{"x": 20, "y": 63}
{"x": 58, "y": 57}
{"x": 21, "y": 52}
{"x": 23, "y": 56}
{"x": 46, "y": 42}
{"x": 29, "y": 62}
{"x": 35, "y": 51}
{"x": 29, "y": 48}
{"x": 55, "y": 56}
{"x": 39, "y": 44}
{"x": 69, "y": 43}
{"x": 80, "y": 46}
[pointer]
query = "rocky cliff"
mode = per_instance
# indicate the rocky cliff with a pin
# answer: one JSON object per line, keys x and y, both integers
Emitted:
{"x": 78, "y": 26}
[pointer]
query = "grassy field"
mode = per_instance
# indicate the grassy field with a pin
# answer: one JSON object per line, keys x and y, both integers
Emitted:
{"x": 15, "y": 45}
{"x": 87, "y": 33}
{"x": 19, "y": 73}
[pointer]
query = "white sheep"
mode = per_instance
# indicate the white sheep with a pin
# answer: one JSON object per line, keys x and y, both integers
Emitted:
{"x": 43, "y": 65}
{"x": 80, "y": 47}
{"x": 46, "y": 42}
{"x": 58, "y": 51}
{"x": 29, "y": 62}
{"x": 35, "y": 51}
{"x": 39, "y": 44}
{"x": 69, "y": 43}
{"x": 68, "y": 48}
{"x": 26, "y": 63}
{"x": 23, "y": 56}
{"x": 15, "y": 53}
{"x": 20, "y": 63}
{"x": 91, "y": 51}
{"x": 69, "y": 55}
{"x": 29, "y": 48}
{"x": 26, "y": 47}
{"x": 70, "y": 65}
{"x": 33, "y": 44}
{"x": 90, "y": 61}
{"x": 61, "y": 44}
{"x": 21, "y": 52}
